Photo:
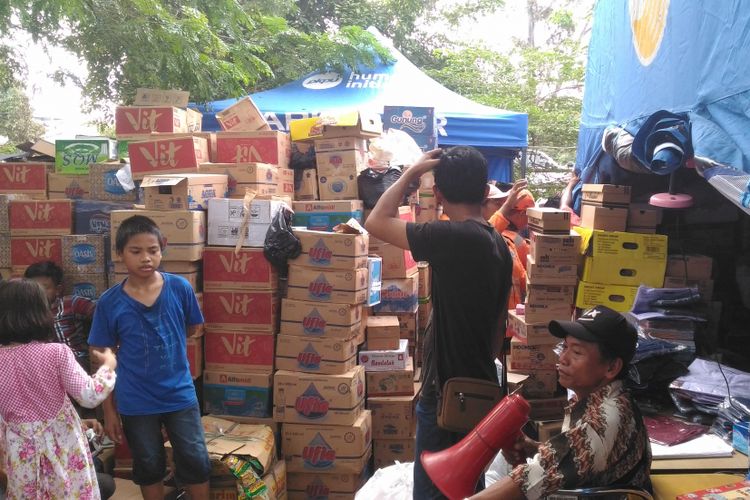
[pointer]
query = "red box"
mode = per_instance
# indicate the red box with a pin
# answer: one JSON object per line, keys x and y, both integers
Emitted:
{"x": 27, "y": 251}
{"x": 161, "y": 156}
{"x": 195, "y": 356}
{"x": 263, "y": 147}
{"x": 148, "y": 119}
{"x": 223, "y": 270}
{"x": 30, "y": 178}
{"x": 235, "y": 310}
{"x": 41, "y": 218}
{"x": 239, "y": 351}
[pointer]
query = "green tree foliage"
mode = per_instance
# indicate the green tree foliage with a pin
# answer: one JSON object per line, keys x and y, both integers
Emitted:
{"x": 16, "y": 122}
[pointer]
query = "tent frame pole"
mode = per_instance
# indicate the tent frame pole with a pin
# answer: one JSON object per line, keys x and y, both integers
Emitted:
{"x": 523, "y": 165}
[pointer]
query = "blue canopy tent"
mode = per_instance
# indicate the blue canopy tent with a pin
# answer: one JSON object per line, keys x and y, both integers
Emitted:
{"x": 499, "y": 134}
{"x": 678, "y": 55}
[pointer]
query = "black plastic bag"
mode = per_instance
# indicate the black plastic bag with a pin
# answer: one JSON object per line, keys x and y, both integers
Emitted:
{"x": 281, "y": 244}
{"x": 373, "y": 183}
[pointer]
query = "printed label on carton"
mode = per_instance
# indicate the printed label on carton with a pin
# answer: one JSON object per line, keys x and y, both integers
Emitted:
{"x": 303, "y": 318}
{"x": 248, "y": 310}
{"x": 315, "y": 355}
{"x": 41, "y": 218}
{"x": 332, "y": 250}
{"x": 23, "y": 177}
{"x": 237, "y": 394}
{"x": 263, "y": 147}
{"x": 239, "y": 351}
{"x": 339, "y": 286}
{"x": 182, "y": 154}
{"x": 225, "y": 270}
{"x": 26, "y": 251}
{"x": 399, "y": 295}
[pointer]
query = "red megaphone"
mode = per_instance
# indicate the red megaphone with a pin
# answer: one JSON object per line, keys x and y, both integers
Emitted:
{"x": 455, "y": 471}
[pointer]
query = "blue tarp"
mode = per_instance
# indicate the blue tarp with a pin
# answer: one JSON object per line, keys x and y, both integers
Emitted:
{"x": 679, "y": 55}
{"x": 497, "y": 133}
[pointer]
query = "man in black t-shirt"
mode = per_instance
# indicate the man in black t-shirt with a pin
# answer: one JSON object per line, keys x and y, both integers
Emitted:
{"x": 471, "y": 278}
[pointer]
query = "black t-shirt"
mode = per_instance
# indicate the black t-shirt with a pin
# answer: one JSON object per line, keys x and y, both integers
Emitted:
{"x": 471, "y": 279}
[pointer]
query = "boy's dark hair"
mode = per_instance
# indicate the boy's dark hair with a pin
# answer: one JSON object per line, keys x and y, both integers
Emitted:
{"x": 137, "y": 224}
{"x": 46, "y": 269}
{"x": 25, "y": 315}
{"x": 461, "y": 175}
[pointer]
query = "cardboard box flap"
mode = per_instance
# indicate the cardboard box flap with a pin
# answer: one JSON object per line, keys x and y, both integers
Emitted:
{"x": 160, "y": 97}
{"x": 352, "y": 226}
{"x": 352, "y": 123}
{"x": 152, "y": 181}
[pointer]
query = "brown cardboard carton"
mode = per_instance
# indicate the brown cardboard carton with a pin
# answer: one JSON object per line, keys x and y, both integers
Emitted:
{"x": 223, "y": 269}
{"x": 550, "y": 294}
{"x": 530, "y": 333}
{"x": 83, "y": 253}
{"x": 224, "y": 437}
{"x": 184, "y": 230}
{"x": 315, "y": 355}
{"x": 262, "y": 146}
{"x": 319, "y": 399}
{"x": 391, "y": 383}
{"x": 164, "y": 155}
{"x": 387, "y": 451}
{"x": 5, "y": 200}
{"x": 182, "y": 191}
{"x": 548, "y": 220}
{"x": 242, "y": 352}
{"x": 40, "y": 218}
{"x": 697, "y": 267}
{"x": 555, "y": 248}
{"x": 28, "y": 177}
{"x": 315, "y": 319}
{"x": 551, "y": 273}
{"x": 407, "y": 323}
{"x": 25, "y": 251}
{"x": 227, "y": 216}
{"x": 548, "y": 408}
{"x": 242, "y": 310}
{"x": 644, "y": 215}
{"x": 546, "y": 429}
{"x": 307, "y": 188}
{"x": 425, "y": 281}
{"x": 525, "y": 357}
{"x": 397, "y": 262}
{"x": 89, "y": 285}
{"x": 194, "y": 346}
{"x": 104, "y": 185}
{"x": 377, "y": 361}
{"x": 333, "y": 285}
{"x": 330, "y": 448}
{"x": 392, "y": 416}
{"x": 544, "y": 313}
{"x": 262, "y": 178}
{"x": 399, "y": 295}
{"x": 424, "y": 214}
{"x": 327, "y": 250}
{"x": 539, "y": 383}
{"x": 383, "y": 333}
{"x": 333, "y": 486}
{"x": 333, "y": 163}
{"x": 350, "y": 124}
{"x": 340, "y": 185}
{"x": 285, "y": 186}
{"x": 340, "y": 144}
{"x": 242, "y": 116}
{"x": 604, "y": 218}
{"x": 606, "y": 194}
{"x": 237, "y": 394}
{"x": 68, "y": 186}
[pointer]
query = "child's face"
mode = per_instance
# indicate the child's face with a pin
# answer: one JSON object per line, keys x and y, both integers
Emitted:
{"x": 51, "y": 290}
{"x": 142, "y": 255}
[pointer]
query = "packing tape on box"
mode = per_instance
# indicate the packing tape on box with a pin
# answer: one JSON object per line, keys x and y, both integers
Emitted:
{"x": 247, "y": 201}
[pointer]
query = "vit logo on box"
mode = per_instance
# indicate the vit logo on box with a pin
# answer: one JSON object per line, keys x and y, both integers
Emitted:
{"x": 238, "y": 351}
{"x": 26, "y": 251}
{"x": 251, "y": 310}
{"x": 318, "y": 454}
{"x": 37, "y": 218}
{"x": 160, "y": 154}
{"x": 223, "y": 269}
{"x": 314, "y": 323}
{"x": 311, "y": 404}
{"x": 309, "y": 358}
{"x": 23, "y": 177}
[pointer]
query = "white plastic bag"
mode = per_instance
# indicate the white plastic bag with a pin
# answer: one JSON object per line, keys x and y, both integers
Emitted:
{"x": 390, "y": 483}
{"x": 394, "y": 147}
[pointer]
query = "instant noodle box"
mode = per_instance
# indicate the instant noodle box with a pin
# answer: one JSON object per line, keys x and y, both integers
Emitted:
{"x": 149, "y": 119}
{"x": 29, "y": 178}
{"x": 265, "y": 146}
{"x": 67, "y": 186}
{"x": 544, "y": 313}
{"x": 551, "y": 273}
{"x": 332, "y": 486}
{"x": 392, "y": 416}
{"x": 525, "y": 357}
{"x": 549, "y": 294}
{"x": 224, "y": 437}
{"x": 315, "y": 354}
{"x": 40, "y": 218}
{"x": 399, "y": 295}
{"x": 324, "y": 215}
{"x": 238, "y": 351}
{"x": 387, "y": 451}
{"x": 340, "y": 144}
{"x": 262, "y": 178}
{"x": 237, "y": 394}
{"x": 330, "y": 285}
{"x": 182, "y": 191}
{"x": 225, "y": 269}
{"x": 167, "y": 155}
{"x": 242, "y": 310}
{"x": 530, "y": 333}
{"x": 548, "y": 220}
{"x": 378, "y": 361}
{"x": 392, "y": 382}
{"x": 319, "y": 399}
{"x": 539, "y": 383}
{"x": 315, "y": 319}
{"x": 555, "y": 248}
{"x": 328, "y": 448}
{"x": 331, "y": 250}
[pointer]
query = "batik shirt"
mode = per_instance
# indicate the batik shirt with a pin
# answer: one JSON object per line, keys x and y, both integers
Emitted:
{"x": 73, "y": 315}
{"x": 603, "y": 442}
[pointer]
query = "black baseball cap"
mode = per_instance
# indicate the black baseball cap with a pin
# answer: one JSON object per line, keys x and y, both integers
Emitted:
{"x": 604, "y": 326}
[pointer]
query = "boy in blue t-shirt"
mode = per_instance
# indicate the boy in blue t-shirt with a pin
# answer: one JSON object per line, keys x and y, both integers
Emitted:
{"x": 148, "y": 318}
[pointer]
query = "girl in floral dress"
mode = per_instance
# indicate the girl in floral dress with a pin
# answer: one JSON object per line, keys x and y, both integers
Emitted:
{"x": 46, "y": 453}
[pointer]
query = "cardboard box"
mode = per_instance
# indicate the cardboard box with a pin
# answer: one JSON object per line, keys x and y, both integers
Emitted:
{"x": 385, "y": 360}
{"x": 338, "y": 163}
{"x": 247, "y": 269}
{"x": 332, "y": 486}
{"x": 306, "y": 185}
{"x": 419, "y": 123}
{"x": 546, "y": 429}
{"x": 184, "y": 230}
{"x": 340, "y": 144}
{"x": 266, "y": 146}
{"x": 391, "y": 382}
{"x": 352, "y": 124}
{"x": 694, "y": 266}
{"x": 333, "y": 285}
{"x": 182, "y": 191}
{"x": 194, "y": 346}
{"x": 642, "y": 230}
{"x": 234, "y": 351}
{"x": 124, "y": 141}
{"x": 550, "y": 294}
{"x": 224, "y": 437}
{"x": 397, "y": 262}
{"x": 67, "y": 186}
{"x": 424, "y": 282}
{"x": 374, "y": 280}
{"x": 40, "y": 218}
{"x": 387, "y": 451}
{"x": 25, "y": 251}
{"x": 617, "y": 297}
{"x": 644, "y": 215}
{"x": 242, "y": 116}
{"x": 399, "y": 295}
{"x": 237, "y": 394}
{"x": 5, "y": 252}
{"x": 94, "y": 217}
{"x": 328, "y": 447}
{"x": 555, "y": 248}
{"x": 548, "y": 408}
{"x": 544, "y": 313}
{"x": 341, "y": 186}
{"x": 623, "y": 271}
{"x": 524, "y": 357}
{"x": 623, "y": 245}
{"x": 104, "y": 184}
{"x": 548, "y": 220}
{"x": 262, "y": 178}
{"x": 393, "y": 416}
{"x": 83, "y": 253}
{"x": 528, "y": 332}
{"x": 324, "y": 215}
{"x": 539, "y": 383}
{"x": 319, "y": 399}
{"x": 241, "y": 310}
{"x": 331, "y": 250}
{"x": 315, "y": 355}
{"x": 225, "y": 218}
{"x": 424, "y": 311}
{"x": 164, "y": 156}
{"x": 149, "y": 119}
{"x": 73, "y": 156}
{"x": 5, "y": 200}
{"x": 607, "y": 195}
{"x": 29, "y": 178}
{"x": 604, "y": 218}
{"x": 285, "y": 186}
{"x": 551, "y": 273}
{"x": 314, "y": 319}
{"x": 383, "y": 333}
{"x": 90, "y": 285}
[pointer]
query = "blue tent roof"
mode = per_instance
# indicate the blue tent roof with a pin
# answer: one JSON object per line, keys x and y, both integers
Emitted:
{"x": 461, "y": 121}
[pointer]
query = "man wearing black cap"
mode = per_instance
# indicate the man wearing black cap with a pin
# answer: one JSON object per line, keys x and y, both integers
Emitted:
{"x": 604, "y": 440}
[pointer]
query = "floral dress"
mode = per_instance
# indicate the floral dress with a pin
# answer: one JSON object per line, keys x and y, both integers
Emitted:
{"x": 46, "y": 454}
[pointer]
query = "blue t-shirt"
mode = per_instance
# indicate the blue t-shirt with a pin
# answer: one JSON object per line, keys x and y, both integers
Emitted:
{"x": 153, "y": 373}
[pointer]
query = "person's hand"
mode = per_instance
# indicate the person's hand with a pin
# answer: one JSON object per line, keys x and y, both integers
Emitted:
{"x": 513, "y": 196}
{"x": 92, "y": 423}
{"x": 523, "y": 448}
{"x": 113, "y": 426}
{"x": 427, "y": 162}
{"x": 104, "y": 357}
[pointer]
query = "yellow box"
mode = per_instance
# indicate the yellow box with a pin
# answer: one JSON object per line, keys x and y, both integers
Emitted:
{"x": 617, "y": 297}
{"x": 624, "y": 271}
{"x": 353, "y": 124}
{"x": 623, "y": 245}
